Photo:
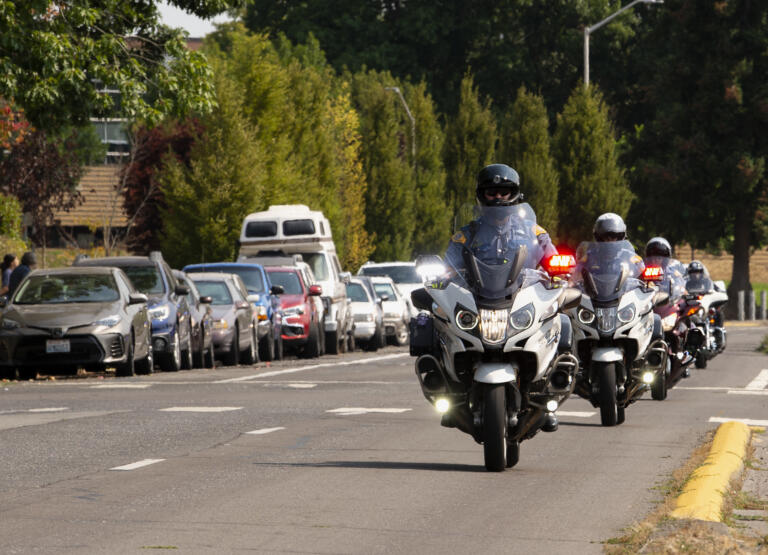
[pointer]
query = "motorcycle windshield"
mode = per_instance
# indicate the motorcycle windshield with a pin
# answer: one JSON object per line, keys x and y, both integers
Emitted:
{"x": 503, "y": 245}
{"x": 699, "y": 284}
{"x": 673, "y": 280}
{"x": 606, "y": 270}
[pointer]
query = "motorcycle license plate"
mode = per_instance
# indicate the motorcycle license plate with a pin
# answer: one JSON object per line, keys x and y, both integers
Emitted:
{"x": 57, "y": 346}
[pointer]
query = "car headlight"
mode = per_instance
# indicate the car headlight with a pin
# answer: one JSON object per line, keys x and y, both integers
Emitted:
{"x": 220, "y": 324}
{"x": 585, "y": 316}
{"x": 522, "y": 318}
{"x": 108, "y": 322}
{"x": 369, "y": 317}
{"x": 261, "y": 312}
{"x": 160, "y": 312}
{"x": 9, "y": 324}
{"x": 294, "y": 310}
{"x": 391, "y": 315}
{"x": 626, "y": 314}
{"x": 668, "y": 322}
{"x": 466, "y": 320}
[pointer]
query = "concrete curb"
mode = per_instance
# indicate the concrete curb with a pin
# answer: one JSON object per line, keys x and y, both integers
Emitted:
{"x": 702, "y": 496}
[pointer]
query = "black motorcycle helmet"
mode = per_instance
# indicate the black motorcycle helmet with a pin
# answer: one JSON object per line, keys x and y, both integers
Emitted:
{"x": 609, "y": 227}
{"x": 658, "y": 246}
{"x": 498, "y": 178}
{"x": 695, "y": 266}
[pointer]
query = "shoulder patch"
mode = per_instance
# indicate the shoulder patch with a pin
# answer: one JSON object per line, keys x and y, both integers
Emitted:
{"x": 459, "y": 237}
{"x": 538, "y": 230}
{"x": 636, "y": 259}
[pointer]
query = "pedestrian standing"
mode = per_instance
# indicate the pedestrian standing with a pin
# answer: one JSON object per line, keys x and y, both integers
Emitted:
{"x": 28, "y": 263}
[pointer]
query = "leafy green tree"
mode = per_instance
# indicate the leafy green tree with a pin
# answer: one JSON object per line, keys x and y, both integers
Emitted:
{"x": 700, "y": 161}
{"x": 10, "y": 217}
{"x": 58, "y": 59}
{"x": 469, "y": 145}
{"x": 591, "y": 179}
{"x": 524, "y": 144}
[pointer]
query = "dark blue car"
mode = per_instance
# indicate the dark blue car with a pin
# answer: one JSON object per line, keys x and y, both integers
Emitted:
{"x": 262, "y": 294}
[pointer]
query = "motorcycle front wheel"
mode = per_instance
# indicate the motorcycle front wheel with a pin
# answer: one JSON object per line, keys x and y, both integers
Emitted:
{"x": 605, "y": 373}
{"x": 495, "y": 428}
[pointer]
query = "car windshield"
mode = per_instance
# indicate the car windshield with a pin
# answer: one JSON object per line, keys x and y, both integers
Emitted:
{"x": 384, "y": 289}
{"x": 62, "y": 288}
{"x": 399, "y": 273}
{"x": 216, "y": 290}
{"x": 317, "y": 262}
{"x": 289, "y": 281}
{"x": 146, "y": 279}
{"x": 250, "y": 276}
{"x": 356, "y": 293}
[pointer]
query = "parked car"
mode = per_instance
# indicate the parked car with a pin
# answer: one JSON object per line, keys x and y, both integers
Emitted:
{"x": 72, "y": 317}
{"x": 168, "y": 307}
{"x": 367, "y": 313}
{"x": 302, "y": 308}
{"x": 234, "y": 319}
{"x": 404, "y": 275}
{"x": 397, "y": 313}
{"x": 266, "y": 302}
{"x": 200, "y": 321}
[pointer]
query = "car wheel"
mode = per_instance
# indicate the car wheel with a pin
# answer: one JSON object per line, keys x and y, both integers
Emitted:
{"x": 171, "y": 362}
{"x": 401, "y": 337}
{"x": 147, "y": 364}
{"x": 267, "y": 347}
{"x": 210, "y": 356}
{"x": 199, "y": 356}
{"x": 351, "y": 342}
{"x": 233, "y": 357}
{"x": 26, "y": 374}
{"x": 374, "y": 342}
{"x": 279, "y": 348}
{"x": 252, "y": 353}
{"x": 186, "y": 354}
{"x": 332, "y": 342}
{"x": 127, "y": 368}
{"x": 312, "y": 348}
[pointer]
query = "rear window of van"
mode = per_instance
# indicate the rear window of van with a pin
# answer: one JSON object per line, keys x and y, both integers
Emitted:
{"x": 261, "y": 229}
{"x": 298, "y": 227}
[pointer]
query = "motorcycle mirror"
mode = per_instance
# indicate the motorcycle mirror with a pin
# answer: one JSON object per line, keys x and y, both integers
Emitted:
{"x": 660, "y": 298}
{"x": 421, "y": 299}
{"x": 570, "y": 298}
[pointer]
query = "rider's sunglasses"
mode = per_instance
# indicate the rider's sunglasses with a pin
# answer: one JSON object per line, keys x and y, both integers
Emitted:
{"x": 494, "y": 192}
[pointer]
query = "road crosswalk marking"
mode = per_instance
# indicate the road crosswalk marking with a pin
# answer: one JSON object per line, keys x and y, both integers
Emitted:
{"x": 265, "y": 431}
{"x": 760, "y": 382}
{"x": 747, "y": 421}
{"x": 138, "y": 464}
{"x": 200, "y": 409}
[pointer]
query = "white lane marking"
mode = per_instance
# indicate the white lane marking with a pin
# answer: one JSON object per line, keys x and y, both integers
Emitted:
{"x": 49, "y": 409}
{"x": 576, "y": 414}
{"x": 312, "y": 367}
{"x": 760, "y": 382}
{"x": 704, "y": 388}
{"x": 747, "y": 392}
{"x": 302, "y": 385}
{"x": 347, "y": 411}
{"x": 747, "y": 421}
{"x": 265, "y": 431}
{"x": 138, "y": 464}
{"x": 200, "y": 409}
{"x": 121, "y": 386}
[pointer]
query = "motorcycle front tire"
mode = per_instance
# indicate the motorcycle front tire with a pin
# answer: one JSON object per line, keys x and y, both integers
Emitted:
{"x": 495, "y": 428}
{"x": 605, "y": 373}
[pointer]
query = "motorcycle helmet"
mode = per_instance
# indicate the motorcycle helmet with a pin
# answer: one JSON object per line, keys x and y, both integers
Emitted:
{"x": 695, "y": 267}
{"x": 658, "y": 246}
{"x": 609, "y": 227}
{"x": 498, "y": 179}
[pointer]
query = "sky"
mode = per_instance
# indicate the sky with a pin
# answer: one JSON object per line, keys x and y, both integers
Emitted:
{"x": 196, "y": 27}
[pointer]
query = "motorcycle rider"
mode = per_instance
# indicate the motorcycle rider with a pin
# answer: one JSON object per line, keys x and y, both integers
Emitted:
{"x": 659, "y": 251}
{"x": 610, "y": 227}
{"x": 697, "y": 271}
{"x": 489, "y": 239}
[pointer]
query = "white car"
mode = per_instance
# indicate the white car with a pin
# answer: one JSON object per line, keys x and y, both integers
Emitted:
{"x": 369, "y": 326}
{"x": 396, "y": 311}
{"x": 403, "y": 274}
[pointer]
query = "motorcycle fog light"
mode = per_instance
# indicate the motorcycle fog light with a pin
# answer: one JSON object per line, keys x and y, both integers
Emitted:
{"x": 442, "y": 405}
{"x": 523, "y": 318}
{"x": 585, "y": 316}
{"x": 466, "y": 320}
{"x": 552, "y": 405}
{"x": 626, "y": 314}
{"x": 648, "y": 377}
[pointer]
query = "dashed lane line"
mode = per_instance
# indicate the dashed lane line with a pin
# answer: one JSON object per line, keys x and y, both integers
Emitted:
{"x": 348, "y": 411}
{"x": 576, "y": 414}
{"x": 138, "y": 464}
{"x": 747, "y": 392}
{"x": 200, "y": 409}
{"x": 265, "y": 431}
{"x": 747, "y": 421}
{"x": 311, "y": 367}
{"x": 121, "y": 386}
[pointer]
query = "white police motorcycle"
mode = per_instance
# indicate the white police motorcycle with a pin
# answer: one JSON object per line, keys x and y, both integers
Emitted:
{"x": 617, "y": 337}
{"x": 494, "y": 352}
{"x": 708, "y": 319}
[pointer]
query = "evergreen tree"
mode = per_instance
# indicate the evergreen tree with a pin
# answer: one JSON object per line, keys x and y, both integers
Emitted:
{"x": 591, "y": 179}
{"x": 469, "y": 145}
{"x": 524, "y": 144}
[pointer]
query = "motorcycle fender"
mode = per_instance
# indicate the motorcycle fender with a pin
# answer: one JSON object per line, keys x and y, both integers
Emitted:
{"x": 607, "y": 354}
{"x": 496, "y": 372}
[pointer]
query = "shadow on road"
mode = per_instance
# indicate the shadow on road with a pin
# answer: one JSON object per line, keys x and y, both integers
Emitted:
{"x": 582, "y": 424}
{"x": 384, "y": 465}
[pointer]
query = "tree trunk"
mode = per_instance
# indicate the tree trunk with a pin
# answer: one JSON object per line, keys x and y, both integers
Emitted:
{"x": 741, "y": 251}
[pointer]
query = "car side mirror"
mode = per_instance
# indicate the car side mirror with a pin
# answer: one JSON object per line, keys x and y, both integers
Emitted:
{"x": 384, "y": 297}
{"x": 252, "y": 298}
{"x": 135, "y": 298}
{"x": 571, "y": 298}
{"x": 345, "y": 277}
{"x": 660, "y": 298}
{"x": 277, "y": 290}
{"x": 242, "y": 305}
{"x": 315, "y": 290}
{"x": 206, "y": 300}
{"x": 181, "y": 289}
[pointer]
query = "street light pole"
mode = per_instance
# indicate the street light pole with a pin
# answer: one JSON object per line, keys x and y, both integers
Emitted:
{"x": 397, "y": 91}
{"x": 590, "y": 29}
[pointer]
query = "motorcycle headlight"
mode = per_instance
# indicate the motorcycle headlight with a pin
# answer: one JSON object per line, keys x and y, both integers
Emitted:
{"x": 606, "y": 319}
{"x": 466, "y": 320}
{"x": 668, "y": 322}
{"x": 108, "y": 322}
{"x": 160, "y": 312}
{"x": 522, "y": 318}
{"x": 626, "y": 314}
{"x": 9, "y": 324}
{"x": 585, "y": 316}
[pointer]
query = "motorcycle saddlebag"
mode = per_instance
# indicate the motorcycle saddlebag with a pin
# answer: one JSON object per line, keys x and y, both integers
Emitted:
{"x": 422, "y": 335}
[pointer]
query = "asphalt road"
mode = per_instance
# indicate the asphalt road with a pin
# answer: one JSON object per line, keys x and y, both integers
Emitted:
{"x": 337, "y": 455}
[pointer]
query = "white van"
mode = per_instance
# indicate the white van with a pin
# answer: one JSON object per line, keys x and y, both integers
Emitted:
{"x": 295, "y": 229}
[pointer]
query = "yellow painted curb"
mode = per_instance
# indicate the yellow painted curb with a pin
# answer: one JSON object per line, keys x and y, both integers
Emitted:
{"x": 745, "y": 324}
{"x": 702, "y": 497}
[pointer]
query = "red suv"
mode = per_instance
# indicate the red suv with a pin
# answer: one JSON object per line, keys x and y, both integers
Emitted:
{"x": 302, "y": 313}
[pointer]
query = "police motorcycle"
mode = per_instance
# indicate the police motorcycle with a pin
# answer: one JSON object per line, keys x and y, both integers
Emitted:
{"x": 707, "y": 317}
{"x": 617, "y": 337}
{"x": 494, "y": 352}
